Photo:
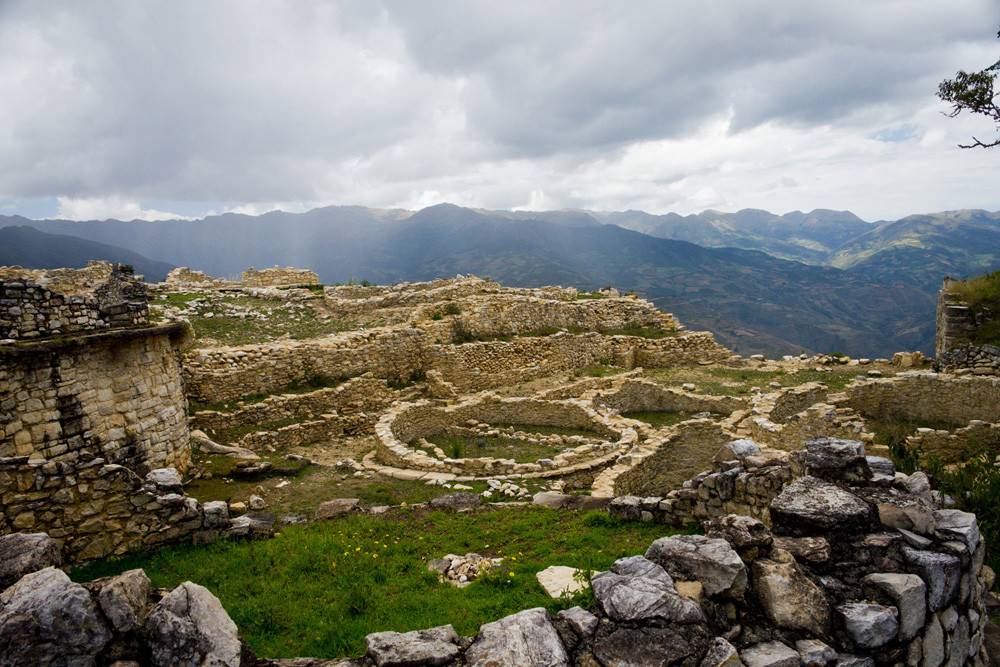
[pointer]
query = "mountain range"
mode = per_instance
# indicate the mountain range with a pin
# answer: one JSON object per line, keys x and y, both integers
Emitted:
{"x": 822, "y": 281}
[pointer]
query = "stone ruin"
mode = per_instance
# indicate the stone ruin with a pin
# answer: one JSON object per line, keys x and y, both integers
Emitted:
{"x": 858, "y": 567}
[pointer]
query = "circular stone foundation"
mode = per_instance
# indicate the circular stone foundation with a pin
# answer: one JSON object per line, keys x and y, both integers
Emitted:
{"x": 404, "y": 426}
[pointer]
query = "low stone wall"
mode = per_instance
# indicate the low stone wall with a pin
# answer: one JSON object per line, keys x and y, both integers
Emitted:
{"x": 627, "y": 395}
{"x": 664, "y": 461}
{"x": 310, "y": 432}
{"x": 276, "y": 277}
{"x": 977, "y": 360}
{"x": 955, "y": 447}
{"x": 115, "y": 396}
{"x": 94, "y": 510}
{"x": 927, "y": 396}
{"x": 409, "y": 422}
{"x": 820, "y": 420}
{"x": 354, "y": 395}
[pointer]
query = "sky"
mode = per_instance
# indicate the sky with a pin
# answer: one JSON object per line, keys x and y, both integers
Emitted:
{"x": 143, "y": 109}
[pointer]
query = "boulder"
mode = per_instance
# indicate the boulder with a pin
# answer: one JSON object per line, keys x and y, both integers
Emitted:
{"x": 46, "y": 619}
{"x": 737, "y": 450}
{"x": 23, "y": 553}
{"x": 126, "y": 600}
{"x": 460, "y": 501}
{"x": 742, "y": 532}
{"x": 770, "y": 654}
{"x": 919, "y": 485}
{"x": 640, "y": 566}
{"x": 559, "y": 580}
{"x": 216, "y": 514}
{"x": 789, "y": 598}
{"x": 721, "y": 654}
{"x": 909, "y": 593}
{"x": 812, "y": 549}
{"x": 814, "y": 653}
{"x": 189, "y": 626}
{"x": 336, "y": 507}
{"x": 869, "y": 625}
{"x": 835, "y": 459}
{"x": 629, "y": 598}
{"x": 627, "y": 647}
{"x": 580, "y": 620}
{"x": 908, "y": 514}
{"x": 810, "y": 505}
{"x": 958, "y": 525}
{"x": 163, "y": 481}
{"x": 941, "y": 572}
{"x": 525, "y": 638}
{"x": 436, "y": 646}
{"x": 706, "y": 559}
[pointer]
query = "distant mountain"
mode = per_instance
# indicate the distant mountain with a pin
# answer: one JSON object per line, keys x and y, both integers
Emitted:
{"x": 29, "y": 248}
{"x": 753, "y": 302}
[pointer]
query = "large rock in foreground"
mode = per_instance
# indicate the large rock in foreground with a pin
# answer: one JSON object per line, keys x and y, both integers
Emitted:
{"x": 190, "y": 627}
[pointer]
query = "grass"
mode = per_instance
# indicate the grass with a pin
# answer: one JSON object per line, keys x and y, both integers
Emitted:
{"x": 228, "y": 436}
{"x": 743, "y": 381}
{"x": 550, "y": 430}
{"x": 319, "y": 590}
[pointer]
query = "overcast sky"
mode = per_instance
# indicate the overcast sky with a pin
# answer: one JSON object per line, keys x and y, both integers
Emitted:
{"x": 146, "y": 109}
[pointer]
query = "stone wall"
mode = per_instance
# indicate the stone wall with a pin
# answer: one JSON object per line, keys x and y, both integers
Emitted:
{"x": 955, "y": 446}
{"x": 401, "y": 354}
{"x": 971, "y": 358}
{"x": 276, "y": 277}
{"x": 94, "y": 509}
{"x": 30, "y": 310}
{"x": 115, "y": 396}
{"x": 955, "y": 320}
{"x": 627, "y": 395}
{"x": 921, "y": 395}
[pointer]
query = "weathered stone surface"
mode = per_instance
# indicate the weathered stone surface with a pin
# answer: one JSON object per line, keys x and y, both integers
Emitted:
{"x": 737, "y": 450}
{"x": 631, "y": 598}
{"x": 909, "y": 593}
{"x": 810, "y": 505}
{"x": 648, "y": 647}
{"x": 435, "y": 646}
{"x": 812, "y": 549}
{"x": 855, "y": 661}
{"x": 709, "y": 560}
{"x": 216, "y": 514}
{"x": 640, "y": 566}
{"x": 721, "y": 654}
{"x": 770, "y": 654}
{"x": 524, "y": 638}
{"x": 336, "y": 507}
{"x": 45, "y": 619}
{"x": 189, "y": 626}
{"x": 933, "y": 644}
{"x": 814, "y": 653}
{"x": 834, "y": 458}
{"x": 919, "y": 485}
{"x": 788, "y": 597}
{"x": 164, "y": 481}
{"x": 958, "y": 525}
{"x": 582, "y": 621}
{"x": 941, "y": 572}
{"x": 126, "y": 600}
{"x": 881, "y": 466}
{"x": 460, "y": 501}
{"x": 743, "y": 532}
{"x": 23, "y": 553}
{"x": 869, "y": 625}
{"x": 559, "y": 580}
{"x": 907, "y": 514}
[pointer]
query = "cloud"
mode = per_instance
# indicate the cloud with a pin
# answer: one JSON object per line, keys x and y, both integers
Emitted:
{"x": 102, "y": 208}
{"x": 664, "y": 105}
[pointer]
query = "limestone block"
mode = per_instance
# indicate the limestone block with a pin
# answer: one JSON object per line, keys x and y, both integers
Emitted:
{"x": 435, "y": 646}
{"x": 869, "y": 625}
{"x": 909, "y": 593}
{"x": 526, "y": 637}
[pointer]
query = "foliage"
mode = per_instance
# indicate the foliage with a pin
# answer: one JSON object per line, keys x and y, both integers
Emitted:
{"x": 974, "y": 92}
{"x": 318, "y": 590}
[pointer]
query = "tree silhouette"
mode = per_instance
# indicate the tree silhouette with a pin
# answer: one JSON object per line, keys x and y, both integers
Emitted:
{"x": 974, "y": 92}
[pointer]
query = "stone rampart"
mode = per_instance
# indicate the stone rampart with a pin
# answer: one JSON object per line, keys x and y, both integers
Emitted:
{"x": 919, "y": 395}
{"x": 115, "y": 396}
{"x": 277, "y": 277}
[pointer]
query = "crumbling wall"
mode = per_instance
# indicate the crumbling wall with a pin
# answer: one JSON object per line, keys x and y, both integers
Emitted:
{"x": 115, "y": 396}
{"x": 627, "y": 395}
{"x": 277, "y": 277}
{"x": 182, "y": 276}
{"x": 957, "y": 446}
{"x": 63, "y": 281}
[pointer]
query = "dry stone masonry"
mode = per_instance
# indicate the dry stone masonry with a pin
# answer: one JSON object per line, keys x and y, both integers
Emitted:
{"x": 277, "y": 277}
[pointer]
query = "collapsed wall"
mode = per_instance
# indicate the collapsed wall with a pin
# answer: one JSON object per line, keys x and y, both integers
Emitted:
{"x": 278, "y": 277}
{"x": 920, "y": 395}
